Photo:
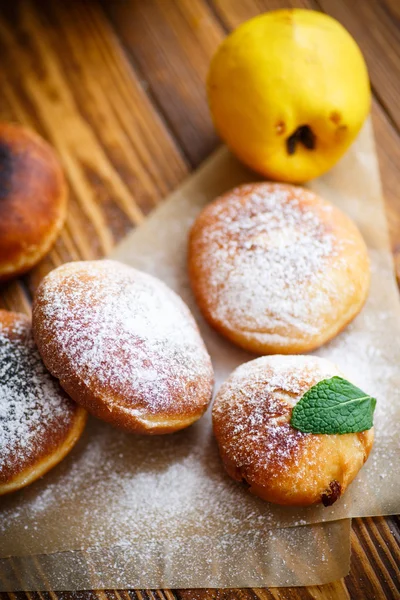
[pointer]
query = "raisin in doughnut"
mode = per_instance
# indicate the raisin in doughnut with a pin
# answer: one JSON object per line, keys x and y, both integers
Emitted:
{"x": 123, "y": 345}
{"x": 257, "y": 444}
{"x": 276, "y": 269}
{"x": 39, "y": 424}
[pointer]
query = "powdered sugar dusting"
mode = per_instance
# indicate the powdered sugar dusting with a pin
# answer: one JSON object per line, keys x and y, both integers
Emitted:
{"x": 33, "y": 408}
{"x": 253, "y": 408}
{"x": 80, "y": 503}
{"x": 265, "y": 254}
{"x": 134, "y": 489}
{"x": 120, "y": 328}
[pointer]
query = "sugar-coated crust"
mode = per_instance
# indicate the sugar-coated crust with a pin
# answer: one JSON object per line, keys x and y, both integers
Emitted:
{"x": 277, "y": 269}
{"x": 46, "y": 462}
{"x": 39, "y": 424}
{"x": 251, "y": 416}
{"x": 123, "y": 345}
{"x": 33, "y": 199}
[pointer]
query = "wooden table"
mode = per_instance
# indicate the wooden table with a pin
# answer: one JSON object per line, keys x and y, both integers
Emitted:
{"x": 117, "y": 86}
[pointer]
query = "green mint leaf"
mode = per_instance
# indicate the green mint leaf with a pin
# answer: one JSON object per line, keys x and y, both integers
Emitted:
{"x": 334, "y": 406}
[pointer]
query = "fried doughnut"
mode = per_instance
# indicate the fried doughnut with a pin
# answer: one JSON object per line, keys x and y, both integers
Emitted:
{"x": 33, "y": 199}
{"x": 276, "y": 269}
{"x": 123, "y": 345}
{"x": 251, "y": 416}
{"x": 39, "y": 424}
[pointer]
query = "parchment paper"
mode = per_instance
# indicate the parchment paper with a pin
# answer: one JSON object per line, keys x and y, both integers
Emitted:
{"x": 135, "y": 493}
{"x": 309, "y": 555}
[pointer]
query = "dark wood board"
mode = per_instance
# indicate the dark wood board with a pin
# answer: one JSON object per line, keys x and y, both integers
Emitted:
{"x": 117, "y": 86}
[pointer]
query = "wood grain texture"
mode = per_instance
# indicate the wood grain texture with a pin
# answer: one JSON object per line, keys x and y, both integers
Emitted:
{"x": 171, "y": 43}
{"x": 376, "y": 26}
{"x": 117, "y": 86}
{"x": 66, "y": 75}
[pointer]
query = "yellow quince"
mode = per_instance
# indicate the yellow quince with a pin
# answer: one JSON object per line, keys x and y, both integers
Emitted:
{"x": 288, "y": 92}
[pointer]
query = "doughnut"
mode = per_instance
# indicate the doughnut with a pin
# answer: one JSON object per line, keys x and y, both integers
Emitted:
{"x": 276, "y": 269}
{"x": 123, "y": 345}
{"x": 33, "y": 199}
{"x": 251, "y": 422}
{"x": 39, "y": 424}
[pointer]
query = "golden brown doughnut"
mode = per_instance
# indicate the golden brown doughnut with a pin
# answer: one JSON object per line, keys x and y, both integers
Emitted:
{"x": 33, "y": 199}
{"x": 276, "y": 269}
{"x": 123, "y": 345}
{"x": 251, "y": 416}
{"x": 39, "y": 424}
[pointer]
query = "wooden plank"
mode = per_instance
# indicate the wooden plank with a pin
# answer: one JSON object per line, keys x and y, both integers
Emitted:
{"x": 376, "y": 27}
{"x": 388, "y": 149}
{"x": 172, "y": 44}
{"x": 377, "y": 556}
{"x": 117, "y": 153}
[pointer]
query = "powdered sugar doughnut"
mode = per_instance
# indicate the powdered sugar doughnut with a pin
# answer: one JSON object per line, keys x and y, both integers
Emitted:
{"x": 123, "y": 345}
{"x": 39, "y": 424}
{"x": 277, "y": 269}
{"x": 251, "y": 416}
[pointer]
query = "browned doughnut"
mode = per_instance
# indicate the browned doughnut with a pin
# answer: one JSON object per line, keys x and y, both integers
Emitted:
{"x": 123, "y": 345}
{"x": 39, "y": 424}
{"x": 251, "y": 416}
{"x": 33, "y": 199}
{"x": 276, "y": 269}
